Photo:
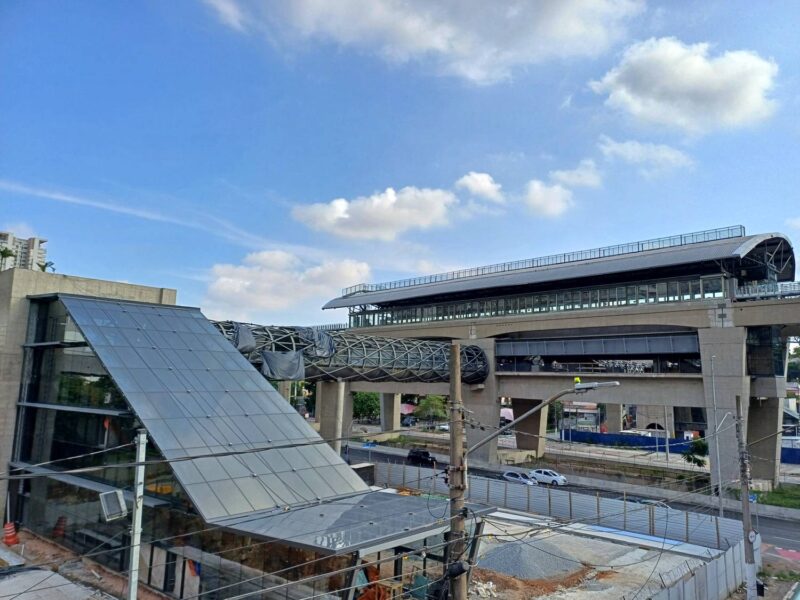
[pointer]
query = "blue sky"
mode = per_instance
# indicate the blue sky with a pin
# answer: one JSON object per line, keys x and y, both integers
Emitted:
{"x": 259, "y": 156}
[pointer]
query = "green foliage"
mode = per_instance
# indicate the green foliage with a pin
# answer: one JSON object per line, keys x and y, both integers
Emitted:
{"x": 432, "y": 408}
{"x": 696, "y": 452}
{"x": 786, "y": 495}
{"x": 5, "y": 253}
{"x": 366, "y": 405}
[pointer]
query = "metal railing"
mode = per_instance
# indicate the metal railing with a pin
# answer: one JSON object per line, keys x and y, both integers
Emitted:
{"x": 772, "y": 289}
{"x": 330, "y": 327}
{"x": 556, "y": 259}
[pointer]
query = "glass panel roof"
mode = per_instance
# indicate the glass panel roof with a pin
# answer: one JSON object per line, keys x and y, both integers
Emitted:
{"x": 197, "y": 395}
{"x": 369, "y": 520}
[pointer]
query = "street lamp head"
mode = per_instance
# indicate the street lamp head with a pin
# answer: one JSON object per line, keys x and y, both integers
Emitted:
{"x": 585, "y": 387}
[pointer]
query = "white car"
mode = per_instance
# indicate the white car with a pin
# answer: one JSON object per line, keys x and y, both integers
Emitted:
{"x": 548, "y": 477}
{"x": 515, "y": 477}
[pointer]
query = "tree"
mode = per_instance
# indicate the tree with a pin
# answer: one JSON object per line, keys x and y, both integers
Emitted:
{"x": 366, "y": 405}
{"x": 431, "y": 408}
{"x": 696, "y": 452}
{"x": 47, "y": 265}
{"x": 5, "y": 254}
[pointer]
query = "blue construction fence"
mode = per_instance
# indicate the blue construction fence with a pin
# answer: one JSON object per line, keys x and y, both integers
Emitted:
{"x": 788, "y": 455}
{"x": 623, "y": 439}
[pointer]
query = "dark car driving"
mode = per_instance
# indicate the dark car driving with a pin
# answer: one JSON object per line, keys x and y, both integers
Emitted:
{"x": 419, "y": 457}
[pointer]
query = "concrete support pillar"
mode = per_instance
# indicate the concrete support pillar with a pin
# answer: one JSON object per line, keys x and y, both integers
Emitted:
{"x": 285, "y": 390}
{"x": 655, "y": 415}
{"x": 765, "y": 418}
{"x": 482, "y": 402}
{"x": 329, "y": 393}
{"x": 390, "y": 412}
{"x": 727, "y": 345}
{"x": 531, "y": 433}
{"x": 613, "y": 420}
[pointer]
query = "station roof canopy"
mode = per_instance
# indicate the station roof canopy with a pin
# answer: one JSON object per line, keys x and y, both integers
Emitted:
{"x": 674, "y": 251}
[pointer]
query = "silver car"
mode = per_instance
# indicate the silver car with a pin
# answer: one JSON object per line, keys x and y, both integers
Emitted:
{"x": 515, "y": 477}
{"x": 548, "y": 477}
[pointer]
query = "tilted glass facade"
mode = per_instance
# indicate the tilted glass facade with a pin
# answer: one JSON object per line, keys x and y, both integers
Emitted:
{"x": 649, "y": 292}
{"x": 100, "y": 370}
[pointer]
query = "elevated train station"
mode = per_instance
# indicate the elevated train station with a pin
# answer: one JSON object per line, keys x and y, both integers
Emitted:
{"x": 677, "y": 320}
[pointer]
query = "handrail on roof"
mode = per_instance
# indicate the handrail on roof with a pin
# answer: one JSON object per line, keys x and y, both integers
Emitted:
{"x": 697, "y": 237}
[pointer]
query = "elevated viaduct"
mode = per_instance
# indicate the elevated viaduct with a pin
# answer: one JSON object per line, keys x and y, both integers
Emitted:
{"x": 680, "y": 321}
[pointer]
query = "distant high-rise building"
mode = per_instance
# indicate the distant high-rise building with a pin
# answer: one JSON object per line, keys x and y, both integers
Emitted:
{"x": 28, "y": 253}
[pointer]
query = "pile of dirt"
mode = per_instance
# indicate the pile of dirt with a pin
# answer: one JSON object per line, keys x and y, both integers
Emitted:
{"x": 511, "y": 588}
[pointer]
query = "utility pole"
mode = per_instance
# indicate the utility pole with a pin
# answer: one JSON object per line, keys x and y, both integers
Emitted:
{"x": 666, "y": 432}
{"x": 716, "y": 441}
{"x": 136, "y": 517}
{"x": 457, "y": 475}
{"x": 747, "y": 525}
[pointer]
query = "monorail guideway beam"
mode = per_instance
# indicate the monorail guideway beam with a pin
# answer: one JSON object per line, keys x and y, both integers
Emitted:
{"x": 345, "y": 356}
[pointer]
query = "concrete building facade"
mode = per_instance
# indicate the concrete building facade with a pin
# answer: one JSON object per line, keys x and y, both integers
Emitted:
{"x": 682, "y": 322}
{"x": 29, "y": 253}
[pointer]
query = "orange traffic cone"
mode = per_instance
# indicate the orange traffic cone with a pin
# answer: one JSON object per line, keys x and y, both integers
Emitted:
{"x": 58, "y": 530}
{"x": 10, "y": 538}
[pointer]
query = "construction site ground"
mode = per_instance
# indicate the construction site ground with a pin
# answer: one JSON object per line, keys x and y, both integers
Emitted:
{"x": 34, "y": 551}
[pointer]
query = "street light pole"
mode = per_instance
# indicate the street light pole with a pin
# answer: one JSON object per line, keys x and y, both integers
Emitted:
{"x": 136, "y": 517}
{"x": 716, "y": 440}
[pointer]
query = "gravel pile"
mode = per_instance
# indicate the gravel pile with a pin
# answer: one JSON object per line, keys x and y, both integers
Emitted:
{"x": 533, "y": 559}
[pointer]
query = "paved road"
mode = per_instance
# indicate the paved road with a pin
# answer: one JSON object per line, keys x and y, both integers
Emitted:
{"x": 775, "y": 533}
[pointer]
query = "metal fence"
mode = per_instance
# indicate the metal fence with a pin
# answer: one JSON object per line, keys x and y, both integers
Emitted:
{"x": 715, "y": 579}
{"x": 790, "y": 456}
{"x": 693, "y": 528}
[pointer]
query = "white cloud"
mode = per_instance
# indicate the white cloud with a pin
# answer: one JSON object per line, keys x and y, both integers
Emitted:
{"x": 793, "y": 222}
{"x": 229, "y": 12}
{"x": 667, "y": 82}
{"x": 481, "y": 185}
{"x": 584, "y": 175}
{"x": 273, "y": 286}
{"x": 381, "y": 216}
{"x": 204, "y": 222}
{"x": 652, "y": 159}
{"x": 477, "y": 40}
{"x": 19, "y": 229}
{"x": 547, "y": 200}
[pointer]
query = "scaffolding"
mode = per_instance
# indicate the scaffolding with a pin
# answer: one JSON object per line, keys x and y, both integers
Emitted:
{"x": 345, "y": 356}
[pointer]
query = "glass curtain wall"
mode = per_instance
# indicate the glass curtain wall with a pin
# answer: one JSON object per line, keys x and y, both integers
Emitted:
{"x": 71, "y": 412}
{"x": 653, "y": 292}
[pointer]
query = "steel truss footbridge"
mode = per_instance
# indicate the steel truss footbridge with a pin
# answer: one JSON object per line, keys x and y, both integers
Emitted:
{"x": 345, "y": 356}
